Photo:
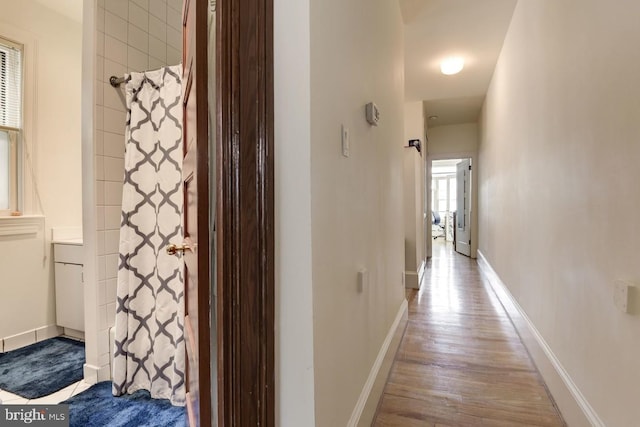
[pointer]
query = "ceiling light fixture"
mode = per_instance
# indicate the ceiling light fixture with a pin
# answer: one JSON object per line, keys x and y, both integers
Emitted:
{"x": 452, "y": 65}
{"x": 433, "y": 117}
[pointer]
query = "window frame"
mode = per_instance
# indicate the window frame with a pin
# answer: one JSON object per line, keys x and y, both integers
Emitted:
{"x": 14, "y": 134}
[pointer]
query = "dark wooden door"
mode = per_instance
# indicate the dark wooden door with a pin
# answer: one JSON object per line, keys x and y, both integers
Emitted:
{"x": 195, "y": 175}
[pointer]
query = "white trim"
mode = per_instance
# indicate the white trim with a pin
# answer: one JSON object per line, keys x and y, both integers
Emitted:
{"x": 29, "y": 337}
{"x": 90, "y": 373}
{"x": 375, "y": 369}
{"x": 421, "y": 271}
{"x": 411, "y": 280}
{"x": 46, "y": 332}
{"x": 513, "y": 309}
{"x": 21, "y": 225}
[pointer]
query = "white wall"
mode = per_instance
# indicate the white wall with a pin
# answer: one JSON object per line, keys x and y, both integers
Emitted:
{"x": 356, "y": 202}
{"x": 558, "y": 176}
{"x": 295, "y": 401}
{"x": 453, "y": 139}
{"x": 130, "y": 36}
{"x": 53, "y": 55}
{"x": 413, "y": 191}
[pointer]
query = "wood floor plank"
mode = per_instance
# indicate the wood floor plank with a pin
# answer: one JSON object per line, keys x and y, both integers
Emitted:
{"x": 461, "y": 361}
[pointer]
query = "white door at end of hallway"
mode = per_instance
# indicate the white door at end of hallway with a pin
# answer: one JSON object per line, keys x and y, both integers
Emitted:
{"x": 463, "y": 217}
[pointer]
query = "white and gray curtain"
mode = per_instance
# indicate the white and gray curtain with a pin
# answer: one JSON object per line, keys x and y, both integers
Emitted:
{"x": 149, "y": 345}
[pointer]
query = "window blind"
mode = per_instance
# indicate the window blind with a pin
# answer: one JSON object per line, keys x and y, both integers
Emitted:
{"x": 10, "y": 84}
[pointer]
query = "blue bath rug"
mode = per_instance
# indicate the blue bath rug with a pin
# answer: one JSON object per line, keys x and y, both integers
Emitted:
{"x": 42, "y": 368}
{"x": 97, "y": 407}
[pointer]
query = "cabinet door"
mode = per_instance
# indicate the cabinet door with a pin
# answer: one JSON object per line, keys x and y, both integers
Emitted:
{"x": 69, "y": 296}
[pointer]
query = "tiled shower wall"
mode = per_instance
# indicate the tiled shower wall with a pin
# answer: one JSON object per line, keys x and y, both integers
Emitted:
{"x": 131, "y": 35}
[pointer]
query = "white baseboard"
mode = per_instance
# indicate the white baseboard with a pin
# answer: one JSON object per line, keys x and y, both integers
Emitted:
{"x": 29, "y": 337}
{"x": 421, "y": 271}
{"x": 94, "y": 374}
{"x": 90, "y": 373}
{"x": 574, "y": 407}
{"x": 365, "y": 408}
{"x": 411, "y": 280}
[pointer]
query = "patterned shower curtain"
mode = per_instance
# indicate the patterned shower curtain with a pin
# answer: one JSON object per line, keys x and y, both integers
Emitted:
{"x": 149, "y": 345}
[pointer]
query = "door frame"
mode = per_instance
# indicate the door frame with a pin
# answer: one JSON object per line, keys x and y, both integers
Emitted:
{"x": 245, "y": 212}
{"x": 474, "y": 196}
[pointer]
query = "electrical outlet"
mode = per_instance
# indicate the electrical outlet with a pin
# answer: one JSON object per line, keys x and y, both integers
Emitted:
{"x": 621, "y": 295}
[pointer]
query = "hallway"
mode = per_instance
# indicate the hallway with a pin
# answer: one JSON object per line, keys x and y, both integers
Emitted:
{"x": 461, "y": 362}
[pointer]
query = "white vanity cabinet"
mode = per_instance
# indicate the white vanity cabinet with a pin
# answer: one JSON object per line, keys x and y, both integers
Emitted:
{"x": 67, "y": 256}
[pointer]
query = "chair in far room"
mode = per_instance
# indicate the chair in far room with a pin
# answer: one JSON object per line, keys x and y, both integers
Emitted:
{"x": 437, "y": 228}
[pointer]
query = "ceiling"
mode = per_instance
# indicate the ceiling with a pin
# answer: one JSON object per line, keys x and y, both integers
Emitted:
{"x": 435, "y": 29}
{"x": 72, "y": 9}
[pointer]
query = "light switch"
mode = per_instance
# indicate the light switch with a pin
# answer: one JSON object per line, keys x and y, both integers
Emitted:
{"x": 346, "y": 141}
{"x": 621, "y": 295}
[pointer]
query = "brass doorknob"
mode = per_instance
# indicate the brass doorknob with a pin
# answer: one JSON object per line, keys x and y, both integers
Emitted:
{"x": 173, "y": 249}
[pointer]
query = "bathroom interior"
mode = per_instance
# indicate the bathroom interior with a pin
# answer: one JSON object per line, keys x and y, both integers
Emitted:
{"x": 61, "y": 254}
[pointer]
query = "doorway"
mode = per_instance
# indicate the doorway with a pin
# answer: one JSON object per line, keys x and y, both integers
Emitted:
{"x": 451, "y": 202}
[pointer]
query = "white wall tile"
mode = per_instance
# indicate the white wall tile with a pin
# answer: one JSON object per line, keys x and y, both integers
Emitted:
{"x": 111, "y": 314}
{"x": 112, "y": 217}
{"x": 100, "y": 217}
{"x": 155, "y": 63}
{"x": 175, "y": 5}
{"x": 111, "y": 241}
{"x": 99, "y": 117}
{"x": 102, "y": 317}
{"x": 114, "y": 97}
{"x": 114, "y": 145}
{"x": 137, "y": 60}
{"x": 115, "y": 27}
{"x": 104, "y": 373}
{"x": 158, "y": 49}
{"x": 102, "y": 292}
{"x": 99, "y": 167}
{"x": 138, "y": 17}
{"x": 100, "y": 68}
{"x": 100, "y": 19}
{"x": 157, "y": 28}
{"x": 103, "y": 341}
{"x": 138, "y": 38}
{"x": 112, "y": 289}
{"x": 115, "y": 50}
{"x": 113, "y": 169}
{"x": 112, "y": 266}
{"x": 98, "y": 139}
{"x": 118, "y": 7}
{"x": 174, "y": 38}
{"x": 99, "y": 91}
{"x": 100, "y": 43}
{"x": 113, "y": 193}
{"x": 174, "y": 56}
{"x": 143, "y": 3}
{"x": 158, "y": 8}
{"x": 114, "y": 121}
{"x": 174, "y": 18}
{"x": 100, "y": 191}
{"x": 112, "y": 68}
{"x": 101, "y": 264}
{"x": 100, "y": 243}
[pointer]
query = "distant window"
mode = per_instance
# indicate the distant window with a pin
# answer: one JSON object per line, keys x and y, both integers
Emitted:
{"x": 10, "y": 123}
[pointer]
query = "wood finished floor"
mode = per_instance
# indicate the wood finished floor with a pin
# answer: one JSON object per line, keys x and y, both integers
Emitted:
{"x": 461, "y": 362}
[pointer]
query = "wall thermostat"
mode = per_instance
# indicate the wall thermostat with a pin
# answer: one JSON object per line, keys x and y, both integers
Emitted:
{"x": 372, "y": 113}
